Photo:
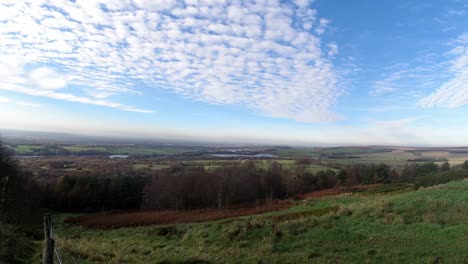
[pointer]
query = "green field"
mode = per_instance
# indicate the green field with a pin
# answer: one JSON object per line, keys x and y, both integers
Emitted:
{"x": 25, "y": 149}
{"x": 317, "y": 152}
{"x": 147, "y": 151}
{"x": 390, "y": 224}
{"x": 298, "y": 152}
{"x": 394, "y": 158}
{"x": 352, "y": 150}
{"x": 79, "y": 148}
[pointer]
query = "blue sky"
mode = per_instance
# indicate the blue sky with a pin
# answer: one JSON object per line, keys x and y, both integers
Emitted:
{"x": 322, "y": 72}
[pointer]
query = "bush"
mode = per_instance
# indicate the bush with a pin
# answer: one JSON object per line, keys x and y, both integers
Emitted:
{"x": 14, "y": 245}
{"x": 440, "y": 177}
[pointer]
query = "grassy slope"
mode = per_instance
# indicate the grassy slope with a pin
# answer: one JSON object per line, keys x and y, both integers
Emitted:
{"x": 390, "y": 225}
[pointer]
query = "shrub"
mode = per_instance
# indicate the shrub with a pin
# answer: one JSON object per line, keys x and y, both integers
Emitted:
{"x": 14, "y": 245}
{"x": 440, "y": 177}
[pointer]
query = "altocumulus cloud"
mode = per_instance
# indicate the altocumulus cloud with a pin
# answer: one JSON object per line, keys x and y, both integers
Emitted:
{"x": 267, "y": 56}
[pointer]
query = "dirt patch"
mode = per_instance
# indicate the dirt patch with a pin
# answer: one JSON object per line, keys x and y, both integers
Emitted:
{"x": 144, "y": 218}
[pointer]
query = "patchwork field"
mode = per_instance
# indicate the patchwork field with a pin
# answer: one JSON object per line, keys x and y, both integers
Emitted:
{"x": 383, "y": 224}
{"x": 393, "y": 156}
{"x": 47, "y": 150}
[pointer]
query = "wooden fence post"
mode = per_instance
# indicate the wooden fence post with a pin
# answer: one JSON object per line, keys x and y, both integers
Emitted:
{"x": 48, "y": 253}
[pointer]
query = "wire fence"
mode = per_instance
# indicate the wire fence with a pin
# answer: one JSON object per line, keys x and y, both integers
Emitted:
{"x": 56, "y": 248}
{"x": 53, "y": 247}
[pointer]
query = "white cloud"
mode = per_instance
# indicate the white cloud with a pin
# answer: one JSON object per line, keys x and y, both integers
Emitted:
{"x": 332, "y": 50}
{"x": 454, "y": 12}
{"x": 48, "y": 79}
{"x": 411, "y": 79}
{"x": 28, "y": 104}
{"x": 261, "y": 55}
{"x": 303, "y": 3}
{"x": 323, "y": 23}
{"x": 55, "y": 81}
{"x": 4, "y": 99}
{"x": 454, "y": 92}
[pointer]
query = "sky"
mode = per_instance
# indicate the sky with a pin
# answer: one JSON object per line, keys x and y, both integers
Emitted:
{"x": 323, "y": 72}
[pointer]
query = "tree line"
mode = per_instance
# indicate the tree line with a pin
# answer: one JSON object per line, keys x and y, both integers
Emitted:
{"x": 93, "y": 194}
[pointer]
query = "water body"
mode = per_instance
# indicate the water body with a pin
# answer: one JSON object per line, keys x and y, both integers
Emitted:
{"x": 244, "y": 156}
{"x": 118, "y": 156}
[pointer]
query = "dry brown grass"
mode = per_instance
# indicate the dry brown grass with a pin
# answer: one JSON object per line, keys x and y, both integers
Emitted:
{"x": 111, "y": 220}
{"x": 144, "y": 218}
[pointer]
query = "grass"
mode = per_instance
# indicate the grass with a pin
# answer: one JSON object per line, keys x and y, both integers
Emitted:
{"x": 133, "y": 150}
{"x": 26, "y": 149}
{"x": 298, "y": 152}
{"x": 78, "y": 148}
{"x": 392, "y": 224}
{"x": 147, "y": 151}
{"x": 115, "y": 150}
{"x": 352, "y": 150}
{"x": 394, "y": 158}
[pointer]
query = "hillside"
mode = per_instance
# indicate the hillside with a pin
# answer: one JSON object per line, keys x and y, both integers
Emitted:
{"x": 384, "y": 224}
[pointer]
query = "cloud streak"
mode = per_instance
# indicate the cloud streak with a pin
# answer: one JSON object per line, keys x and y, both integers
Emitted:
{"x": 267, "y": 56}
{"x": 45, "y": 82}
{"x": 454, "y": 92}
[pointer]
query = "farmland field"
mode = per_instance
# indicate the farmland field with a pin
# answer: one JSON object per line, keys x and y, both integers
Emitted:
{"x": 79, "y": 148}
{"x": 298, "y": 152}
{"x": 25, "y": 149}
{"x": 38, "y": 150}
{"x": 385, "y": 224}
{"x": 394, "y": 156}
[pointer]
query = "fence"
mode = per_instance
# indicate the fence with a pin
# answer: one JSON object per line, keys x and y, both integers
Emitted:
{"x": 50, "y": 248}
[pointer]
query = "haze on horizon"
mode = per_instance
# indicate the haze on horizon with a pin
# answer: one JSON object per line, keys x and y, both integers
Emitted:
{"x": 292, "y": 72}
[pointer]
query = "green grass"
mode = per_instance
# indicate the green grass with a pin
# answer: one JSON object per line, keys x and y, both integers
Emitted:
{"x": 115, "y": 150}
{"x": 79, "y": 148}
{"x": 388, "y": 225}
{"x": 297, "y": 152}
{"x": 146, "y": 151}
{"x": 396, "y": 159}
{"x": 26, "y": 149}
{"x": 352, "y": 150}
{"x": 133, "y": 150}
